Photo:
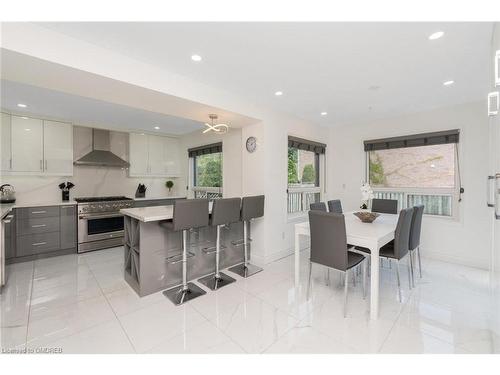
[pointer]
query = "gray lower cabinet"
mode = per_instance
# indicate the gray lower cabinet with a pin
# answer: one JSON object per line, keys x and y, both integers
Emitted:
{"x": 68, "y": 227}
{"x": 10, "y": 238}
{"x": 37, "y": 243}
{"x": 43, "y": 231}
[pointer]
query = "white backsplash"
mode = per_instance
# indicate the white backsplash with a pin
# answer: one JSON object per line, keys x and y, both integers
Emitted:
{"x": 91, "y": 181}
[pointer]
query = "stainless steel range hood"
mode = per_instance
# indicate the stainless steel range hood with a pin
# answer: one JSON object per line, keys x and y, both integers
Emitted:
{"x": 101, "y": 155}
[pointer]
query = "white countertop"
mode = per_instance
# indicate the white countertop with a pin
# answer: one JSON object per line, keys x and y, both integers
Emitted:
{"x": 146, "y": 214}
{"x": 155, "y": 213}
{"x": 158, "y": 198}
{"x": 5, "y": 208}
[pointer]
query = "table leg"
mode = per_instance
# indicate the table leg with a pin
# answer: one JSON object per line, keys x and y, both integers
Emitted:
{"x": 374, "y": 286}
{"x": 297, "y": 259}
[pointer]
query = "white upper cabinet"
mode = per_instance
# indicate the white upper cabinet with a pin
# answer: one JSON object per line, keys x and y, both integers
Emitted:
{"x": 27, "y": 144}
{"x": 172, "y": 156}
{"x": 35, "y": 147}
{"x": 58, "y": 148}
{"x": 138, "y": 154}
{"x": 153, "y": 156}
{"x": 6, "y": 151}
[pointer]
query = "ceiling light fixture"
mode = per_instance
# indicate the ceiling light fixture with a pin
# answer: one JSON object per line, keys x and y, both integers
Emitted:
{"x": 436, "y": 35}
{"x": 448, "y": 83}
{"x": 196, "y": 58}
{"x": 157, "y": 127}
{"x": 324, "y": 113}
{"x": 216, "y": 128}
{"x": 21, "y": 105}
{"x": 278, "y": 93}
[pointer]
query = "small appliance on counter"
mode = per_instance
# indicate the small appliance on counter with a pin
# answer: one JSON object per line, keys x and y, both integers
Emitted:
{"x": 65, "y": 188}
{"x": 7, "y": 194}
{"x": 141, "y": 191}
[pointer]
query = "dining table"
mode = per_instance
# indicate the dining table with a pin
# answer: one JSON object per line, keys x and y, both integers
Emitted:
{"x": 369, "y": 235}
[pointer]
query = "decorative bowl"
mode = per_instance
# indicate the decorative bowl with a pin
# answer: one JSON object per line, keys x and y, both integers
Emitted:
{"x": 366, "y": 216}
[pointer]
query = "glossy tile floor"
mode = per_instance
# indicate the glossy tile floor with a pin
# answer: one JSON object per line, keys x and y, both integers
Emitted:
{"x": 81, "y": 304}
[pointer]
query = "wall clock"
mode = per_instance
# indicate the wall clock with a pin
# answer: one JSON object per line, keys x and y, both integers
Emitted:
{"x": 251, "y": 144}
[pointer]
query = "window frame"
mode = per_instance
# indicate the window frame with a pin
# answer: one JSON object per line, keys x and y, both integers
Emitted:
{"x": 209, "y": 191}
{"x": 454, "y": 192}
{"x": 320, "y": 167}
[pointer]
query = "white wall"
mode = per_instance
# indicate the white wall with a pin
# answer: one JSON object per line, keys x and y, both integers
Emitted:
{"x": 91, "y": 181}
{"x": 465, "y": 241}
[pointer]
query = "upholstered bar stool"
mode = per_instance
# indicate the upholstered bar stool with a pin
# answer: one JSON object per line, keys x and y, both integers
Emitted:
{"x": 251, "y": 208}
{"x": 188, "y": 214}
{"x": 224, "y": 212}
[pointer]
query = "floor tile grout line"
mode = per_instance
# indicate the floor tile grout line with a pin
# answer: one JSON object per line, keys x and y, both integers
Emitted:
{"x": 111, "y": 307}
{"x": 29, "y": 309}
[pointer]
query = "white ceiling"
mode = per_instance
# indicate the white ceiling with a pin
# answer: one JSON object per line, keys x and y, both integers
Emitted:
{"x": 332, "y": 67}
{"x": 80, "y": 110}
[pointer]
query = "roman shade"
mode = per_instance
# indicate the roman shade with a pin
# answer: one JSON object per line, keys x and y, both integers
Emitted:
{"x": 303, "y": 144}
{"x": 207, "y": 149}
{"x": 425, "y": 139}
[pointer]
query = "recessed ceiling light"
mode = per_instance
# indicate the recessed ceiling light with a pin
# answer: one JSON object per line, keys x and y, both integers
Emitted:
{"x": 196, "y": 58}
{"x": 436, "y": 35}
{"x": 21, "y": 105}
{"x": 278, "y": 93}
{"x": 324, "y": 113}
{"x": 448, "y": 83}
{"x": 157, "y": 127}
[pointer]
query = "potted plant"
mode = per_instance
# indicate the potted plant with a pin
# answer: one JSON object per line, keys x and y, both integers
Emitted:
{"x": 169, "y": 184}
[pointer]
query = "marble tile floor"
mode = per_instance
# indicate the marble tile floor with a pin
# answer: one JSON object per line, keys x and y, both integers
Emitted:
{"x": 81, "y": 304}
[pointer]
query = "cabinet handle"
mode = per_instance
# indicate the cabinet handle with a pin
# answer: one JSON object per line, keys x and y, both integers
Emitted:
{"x": 10, "y": 164}
{"x": 41, "y": 164}
{"x": 490, "y": 202}
{"x": 39, "y": 243}
{"x": 39, "y": 226}
{"x": 46, "y": 165}
{"x": 38, "y": 212}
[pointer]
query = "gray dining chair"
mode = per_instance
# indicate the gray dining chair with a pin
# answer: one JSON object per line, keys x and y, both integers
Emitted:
{"x": 329, "y": 248}
{"x": 414, "y": 243}
{"x": 318, "y": 206}
{"x": 385, "y": 206}
{"x": 335, "y": 206}
{"x": 398, "y": 248}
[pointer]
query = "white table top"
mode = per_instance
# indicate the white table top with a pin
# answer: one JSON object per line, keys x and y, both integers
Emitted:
{"x": 155, "y": 213}
{"x": 382, "y": 228}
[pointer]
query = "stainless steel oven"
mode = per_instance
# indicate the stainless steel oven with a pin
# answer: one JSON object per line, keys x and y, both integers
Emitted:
{"x": 100, "y": 224}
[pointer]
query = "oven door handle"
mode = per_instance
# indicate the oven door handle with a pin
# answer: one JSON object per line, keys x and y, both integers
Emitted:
{"x": 90, "y": 216}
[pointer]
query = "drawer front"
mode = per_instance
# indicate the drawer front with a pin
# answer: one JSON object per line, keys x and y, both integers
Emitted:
{"x": 37, "y": 225}
{"x": 37, "y": 212}
{"x": 37, "y": 243}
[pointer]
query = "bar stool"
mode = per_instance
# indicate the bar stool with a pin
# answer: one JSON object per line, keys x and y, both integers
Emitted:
{"x": 251, "y": 208}
{"x": 224, "y": 212}
{"x": 188, "y": 214}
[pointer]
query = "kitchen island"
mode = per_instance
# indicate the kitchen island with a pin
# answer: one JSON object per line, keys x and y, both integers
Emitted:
{"x": 153, "y": 254}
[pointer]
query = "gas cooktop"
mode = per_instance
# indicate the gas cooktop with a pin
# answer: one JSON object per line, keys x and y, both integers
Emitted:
{"x": 102, "y": 199}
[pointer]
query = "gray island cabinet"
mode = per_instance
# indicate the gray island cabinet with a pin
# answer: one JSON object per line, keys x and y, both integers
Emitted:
{"x": 153, "y": 254}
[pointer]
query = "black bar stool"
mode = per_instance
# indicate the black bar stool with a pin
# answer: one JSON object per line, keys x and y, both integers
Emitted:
{"x": 224, "y": 212}
{"x": 188, "y": 214}
{"x": 251, "y": 208}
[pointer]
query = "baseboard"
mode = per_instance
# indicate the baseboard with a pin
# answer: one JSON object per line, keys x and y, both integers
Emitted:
{"x": 444, "y": 257}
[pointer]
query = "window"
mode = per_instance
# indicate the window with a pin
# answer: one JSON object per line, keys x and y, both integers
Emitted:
{"x": 415, "y": 170}
{"x": 304, "y": 173}
{"x": 206, "y": 171}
